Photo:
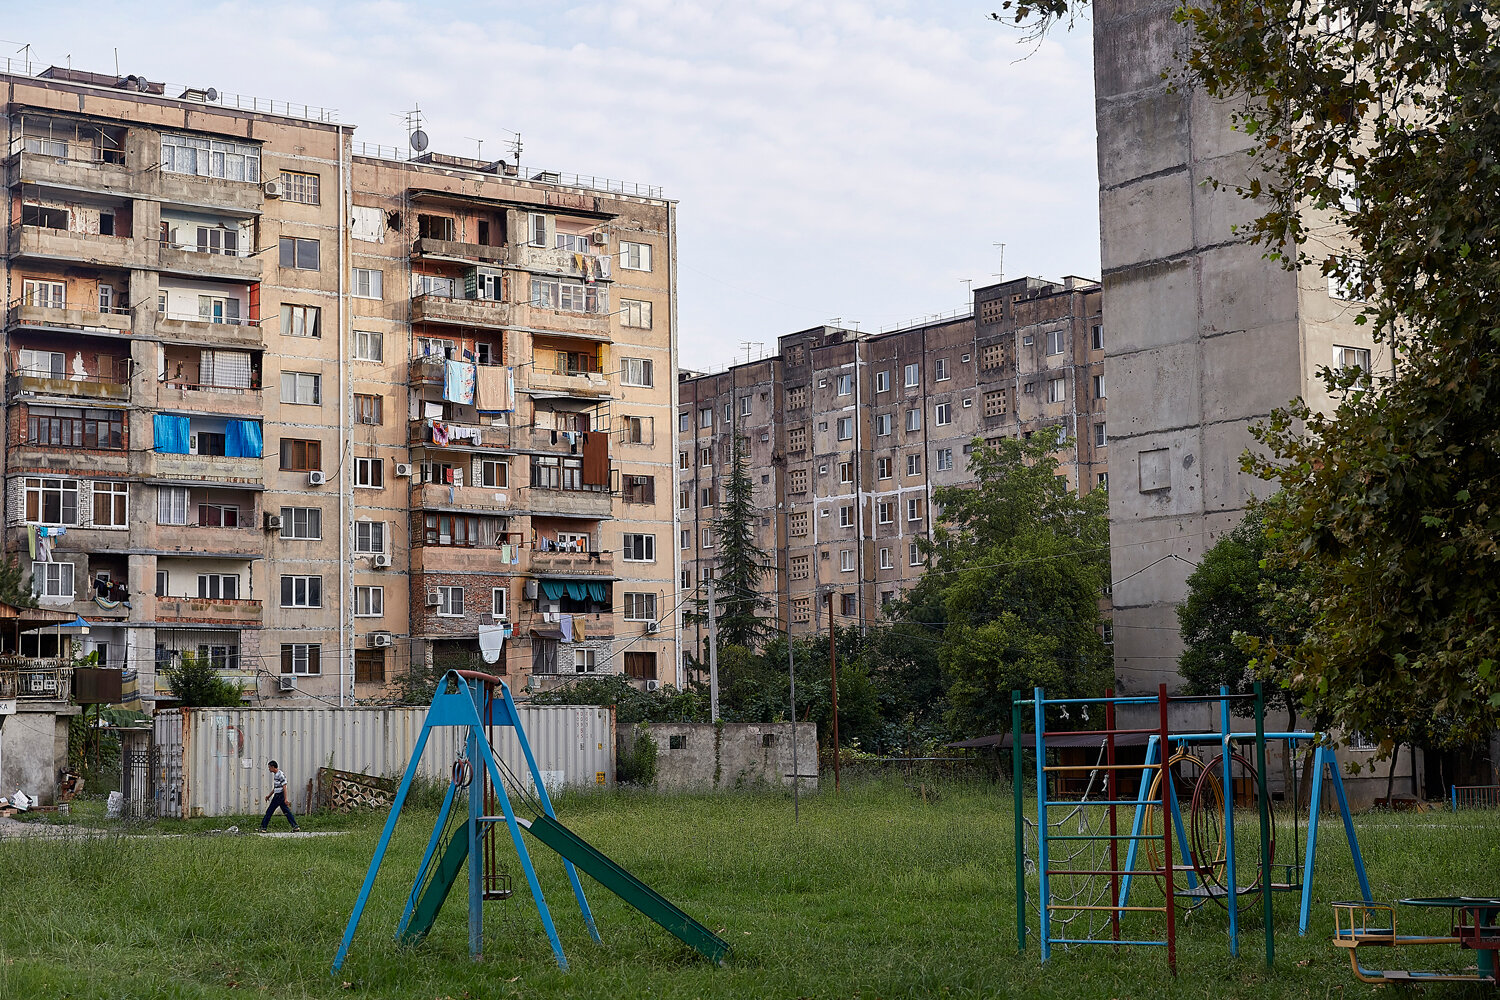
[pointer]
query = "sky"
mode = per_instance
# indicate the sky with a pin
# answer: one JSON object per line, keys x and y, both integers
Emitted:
{"x": 833, "y": 160}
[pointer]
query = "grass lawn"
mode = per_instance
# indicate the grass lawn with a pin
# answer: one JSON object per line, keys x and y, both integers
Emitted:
{"x": 875, "y": 894}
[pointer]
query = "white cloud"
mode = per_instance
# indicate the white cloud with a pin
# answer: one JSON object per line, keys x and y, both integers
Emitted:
{"x": 852, "y": 159}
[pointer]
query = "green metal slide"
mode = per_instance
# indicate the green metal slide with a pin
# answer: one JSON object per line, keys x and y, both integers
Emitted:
{"x": 437, "y": 889}
{"x": 629, "y": 888}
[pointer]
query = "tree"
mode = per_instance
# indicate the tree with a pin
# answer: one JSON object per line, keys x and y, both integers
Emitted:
{"x": 195, "y": 680}
{"x": 1381, "y": 117}
{"x": 13, "y": 588}
{"x": 1016, "y": 569}
{"x": 741, "y": 563}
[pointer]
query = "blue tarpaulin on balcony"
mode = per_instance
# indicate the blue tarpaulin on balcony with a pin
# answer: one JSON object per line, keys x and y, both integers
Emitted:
{"x": 242, "y": 439}
{"x": 597, "y": 592}
{"x": 171, "y": 434}
{"x": 553, "y": 589}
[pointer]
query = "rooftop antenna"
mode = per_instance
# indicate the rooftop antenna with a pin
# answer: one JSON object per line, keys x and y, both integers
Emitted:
{"x": 415, "y": 137}
{"x": 760, "y": 347}
{"x": 515, "y": 145}
{"x": 968, "y": 284}
{"x": 1001, "y": 274}
{"x": 479, "y": 144}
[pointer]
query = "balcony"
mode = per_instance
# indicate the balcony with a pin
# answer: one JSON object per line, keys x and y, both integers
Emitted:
{"x": 434, "y": 496}
{"x": 206, "y": 469}
{"x": 211, "y": 542}
{"x": 564, "y": 263}
{"x": 590, "y": 326}
{"x": 63, "y": 244}
{"x": 588, "y": 385}
{"x": 569, "y": 503}
{"x": 225, "y": 400}
{"x": 91, "y": 387}
{"x": 208, "y": 610}
{"x": 458, "y": 559}
{"x": 477, "y": 252}
{"x": 592, "y": 627}
{"x": 24, "y": 313}
{"x": 198, "y": 330}
{"x": 562, "y": 565}
{"x": 433, "y": 433}
{"x": 194, "y": 190}
{"x": 177, "y": 258}
{"x": 485, "y": 313}
{"x": 30, "y": 678}
{"x": 78, "y": 173}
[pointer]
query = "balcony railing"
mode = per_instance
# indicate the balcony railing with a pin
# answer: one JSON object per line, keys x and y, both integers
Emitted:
{"x": 36, "y": 382}
{"x": 435, "y": 307}
{"x": 29, "y": 677}
{"x": 35, "y": 311}
{"x": 207, "y": 609}
{"x": 564, "y": 563}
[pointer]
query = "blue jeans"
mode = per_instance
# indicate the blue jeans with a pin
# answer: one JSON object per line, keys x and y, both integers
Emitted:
{"x": 278, "y": 801}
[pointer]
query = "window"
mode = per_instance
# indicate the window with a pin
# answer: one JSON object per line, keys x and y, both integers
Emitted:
{"x": 914, "y": 554}
{"x": 1345, "y": 358}
{"x": 885, "y": 511}
{"x": 214, "y": 239}
{"x": 706, "y": 418}
{"x": 44, "y": 217}
{"x": 369, "y": 666}
{"x": 797, "y": 523}
{"x": 584, "y": 661}
{"x": 230, "y": 161}
{"x": 1056, "y": 339}
{"x": 111, "y": 504}
{"x": 913, "y": 465}
{"x": 747, "y": 406}
{"x": 846, "y": 560}
{"x": 796, "y": 439}
{"x": 1099, "y": 436}
{"x": 684, "y": 422}
{"x": 640, "y": 666}
{"x": 569, "y": 296}
{"x": 996, "y": 403}
{"x": 369, "y": 345}
{"x": 885, "y": 559}
{"x": 913, "y": 420}
{"x": 367, "y": 283}
{"x": 52, "y": 501}
{"x": 67, "y": 427}
{"x": 52, "y": 579}
{"x": 940, "y": 370}
{"x": 1057, "y": 390}
{"x": 705, "y": 457}
{"x": 635, "y": 256}
{"x": 640, "y": 548}
{"x": 301, "y": 387}
{"x": 635, "y": 313}
{"x": 640, "y": 607}
{"x": 636, "y": 430}
{"x": 845, "y": 385}
{"x": 846, "y": 605}
{"x": 685, "y": 538}
{"x": 494, "y": 474}
{"x": 846, "y": 516}
{"x": 369, "y": 602}
{"x": 797, "y": 481}
{"x": 298, "y": 187}
{"x": 369, "y": 537}
{"x": 218, "y": 586}
{"x": 882, "y": 468}
{"x": 883, "y": 424}
{"x": 846, "y": 472}
{"x": 172, "y": 504}
{"x": 301, "y": 658}
{"x": 301, "y": 591}
{"x": 943, "y": 414}
{"x": 301, "y": 456}
{"x": 46, "y": 294}
{"x": 992, "y": 356}
{"x": 637, "y": 371}
{"x": 1349, "y": 288}
{"x": 299, "y": 253}
{"x": 1098, "y": 337}
{"x": 298, "y": 522}
{"x": 306, "y": 321}
{"x": 436, "y": 227}
{"x": 944, "y": 459}
{"x": 1098, "y": 386}
{"x": 368, "y": 409}
{"x": 882, "y": 381}
{"x": 218, "y": 515}
{"x": 706, "y": 536}
{"x": 450, "y": 602}
{"x": 499, "y": 602}
{"x": 846, "y": 428}
{"x": 913, "y": 376}
{"x": 914, "y": 509}
{"x": 639, "y": 489}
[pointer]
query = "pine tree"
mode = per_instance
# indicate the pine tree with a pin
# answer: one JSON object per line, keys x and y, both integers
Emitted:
{"x": 13, "y": 588}
{"x": 742, "y": 563}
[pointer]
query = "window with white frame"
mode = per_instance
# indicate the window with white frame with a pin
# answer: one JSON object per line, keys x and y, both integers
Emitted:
{"x": 882, "y": 381}
{"x": 1098, "y": 386}
{"x": 914, "y": 509}
{"x": 369, "y": 345}
{"x": 635, "y": 313}
{"x": 369, "y": 602}
{"x": 913, "y": 465}
{"x": 1098, "y": 337}
{"x": 705, "y": 457}
{"x": 1345, "y": 358}
{"x": 1056, "y": 341}
{"x": 218, "y": 158}
{"x": 846, "y": 560}
{"x": 304, "y": 658}
{"x": 494, "y": 474}
{"x": 885, "y": 511}
{"x": 52, "y": 580}
{"x": 299, "y": 187}
{"x": 1057, "y": 390}
{"x": 747, "y": 406}
{"x": 301, "y": 591}
{"x": 913, "y": 375}
{"x": 639, "y": 547}
{"x": 706, "y": 418}
{"x": 298, "y": 522}
{"x": 882, "y": 468}
{"x": 111, "y": 504}
{"x": 303, "y": 388}
{"x": 635, "y": 256}
{"x": 367, "y": 283}
{"x": 846, "y": 516}
{"x": 943, "y": 414}
{"x": 913, "y": 554}
{"x": 1100, "y": 439}
{"x": 1348, "y": 287}
{"x": 944, "y": 459}
{"x": 52, "y": 501}
{"x": 369, "y": 537}
{"x": 640, "y": 607}
{"x": 706, "y": 536}
{"x": 499, "y": 602}
{"x": 885, "y": 559}
{"x": 685, "y": 538}
{"x": 883, "y": 424}
{"x": 846, "y": 472}
{"x": 846, "y": 428}
{"x": 913, "y": 420}
{"x": 537, "y": 226}
{"x": 450, "y": 602}
{"x": 845, "y": 385}
{"x": 369, "y": 473}
{"x": 45, "y": 294}
{"x": 940, "y": 370}
{"x": 638, "y": 371}
{"x": 584, "y": 661}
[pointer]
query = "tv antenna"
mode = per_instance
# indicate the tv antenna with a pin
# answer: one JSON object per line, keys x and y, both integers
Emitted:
{"x": 760, "y": 349}
{"x": 514, "y": 144}
{"x": 415, "y": 137}
{"x": 479, "y": 147}
{"x": 1001, "y": 274}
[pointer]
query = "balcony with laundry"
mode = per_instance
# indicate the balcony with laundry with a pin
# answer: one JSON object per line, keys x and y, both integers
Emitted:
{"x": 71, "y": 300}
{"x": 46, "y": 365}
{"x": 570, "y": 249}
{"x": 80, "y": 228}
{"x": 559, "y": 550}
{"x": 194, "y": 244}
{"x": 457, "y": 295}
{"x": 210, "y": 380}
{"x": 461, "y": 404}
{"x": 567, "y": 367}
{"x": 205, "y": 590}
{"x": 74, "y": 569}
{"x": 457, "y": 542}
{"x": 66, "y": 153}
{"x": 571, "y": 611}
{"x": 192, "y": 449}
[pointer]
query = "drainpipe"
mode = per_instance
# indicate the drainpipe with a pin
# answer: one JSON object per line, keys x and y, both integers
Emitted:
{"x": 346, "y": 475}
{"x": 859, "y": 495}
{"x": 677, "y": 474}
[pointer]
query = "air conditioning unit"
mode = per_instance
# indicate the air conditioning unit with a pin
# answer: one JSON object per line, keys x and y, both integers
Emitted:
{"x": 382, "y": 560}
{"x": 403, "y": 470}
{"x": 273, "y": 522}
{"x": 433, "y": 599}
{"x": 529, "y": 589}
{"x": 316, "y": 478}
{"x": 650, "y": 627}
{"x": 652, "y": 685}
{"x": 286, "y": 682}
{"x": 380, "y": 640}
{"x": 272, "y": 189}
{"x": 599, "y": 238}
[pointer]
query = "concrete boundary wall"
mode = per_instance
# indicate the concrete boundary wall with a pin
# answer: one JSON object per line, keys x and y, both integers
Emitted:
{"x": 702, "y": 757}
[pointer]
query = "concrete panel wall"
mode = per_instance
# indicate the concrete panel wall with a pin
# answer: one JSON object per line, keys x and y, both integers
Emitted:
{"x": 703, "y": 757}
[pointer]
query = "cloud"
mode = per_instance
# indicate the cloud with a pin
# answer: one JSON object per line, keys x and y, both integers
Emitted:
{"x": 853, "y": 159}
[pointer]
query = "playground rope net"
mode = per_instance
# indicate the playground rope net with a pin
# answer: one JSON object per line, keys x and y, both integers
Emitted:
{"x": 1083, "y": 819}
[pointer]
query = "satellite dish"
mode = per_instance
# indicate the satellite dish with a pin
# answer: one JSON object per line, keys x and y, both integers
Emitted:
{"x": 211, "y": 94}
{"x": 419, "y": 140}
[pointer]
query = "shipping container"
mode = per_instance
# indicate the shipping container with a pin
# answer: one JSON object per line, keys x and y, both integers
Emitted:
{"x": 212, "y": 761}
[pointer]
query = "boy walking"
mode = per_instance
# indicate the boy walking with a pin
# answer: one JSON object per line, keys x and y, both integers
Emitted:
{"x": 277, "y": 798}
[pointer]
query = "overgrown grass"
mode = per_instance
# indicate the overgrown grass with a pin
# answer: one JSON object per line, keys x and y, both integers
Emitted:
{"x": 875, "y": 893}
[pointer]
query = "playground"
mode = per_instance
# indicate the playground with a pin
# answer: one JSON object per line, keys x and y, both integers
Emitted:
{"x": 875, "y": 893}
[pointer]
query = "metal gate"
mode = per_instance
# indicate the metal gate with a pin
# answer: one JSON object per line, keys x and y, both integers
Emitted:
{"x": 166, "y": 765}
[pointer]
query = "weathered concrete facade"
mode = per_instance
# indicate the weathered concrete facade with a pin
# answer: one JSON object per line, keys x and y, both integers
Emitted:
{"x": 701, "y": 757}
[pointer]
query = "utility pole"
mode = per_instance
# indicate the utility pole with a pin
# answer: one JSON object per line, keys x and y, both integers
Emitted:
{"x": 713, "y": 654}
{"x": 791, "y": 668}
{"x": 833, "y": 670}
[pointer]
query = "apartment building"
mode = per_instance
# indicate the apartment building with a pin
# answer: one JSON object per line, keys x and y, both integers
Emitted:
{"x": 318, "y": 412}
{"x": 848, "y": 435}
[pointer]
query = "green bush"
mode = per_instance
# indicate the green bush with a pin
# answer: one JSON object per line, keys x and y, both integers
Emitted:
{"x": 637, "y": 759}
